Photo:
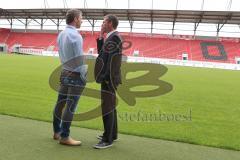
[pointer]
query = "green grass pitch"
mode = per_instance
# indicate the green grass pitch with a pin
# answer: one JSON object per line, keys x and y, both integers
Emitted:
{"x": 212, "y": 96}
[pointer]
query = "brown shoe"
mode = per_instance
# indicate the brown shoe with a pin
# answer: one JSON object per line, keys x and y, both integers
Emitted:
{"x": 56, "y": 136}
{"x": 69, "y": 141}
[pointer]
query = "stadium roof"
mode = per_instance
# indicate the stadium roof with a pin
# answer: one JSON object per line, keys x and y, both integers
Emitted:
{"x": 188, "y": 16}
{"x": 220, "y": 18}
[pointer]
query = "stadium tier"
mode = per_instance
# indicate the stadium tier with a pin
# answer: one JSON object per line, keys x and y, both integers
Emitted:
{"x": 143, "y": 45}
{"x": 31, "y": 40}
{"x": 4, "y": 33}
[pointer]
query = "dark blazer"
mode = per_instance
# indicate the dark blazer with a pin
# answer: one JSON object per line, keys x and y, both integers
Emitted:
{"x": 108, "y": 63}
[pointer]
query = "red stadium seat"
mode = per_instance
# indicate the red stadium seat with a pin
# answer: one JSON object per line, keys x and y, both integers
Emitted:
{"x": 157, "y": 46}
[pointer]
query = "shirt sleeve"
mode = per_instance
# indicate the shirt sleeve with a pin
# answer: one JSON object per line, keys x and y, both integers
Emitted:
{"x": 78, "y": 47}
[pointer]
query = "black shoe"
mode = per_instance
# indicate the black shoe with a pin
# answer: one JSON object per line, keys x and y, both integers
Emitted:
{"x": 102, "y": 145}
{"x": 100, "y": 137}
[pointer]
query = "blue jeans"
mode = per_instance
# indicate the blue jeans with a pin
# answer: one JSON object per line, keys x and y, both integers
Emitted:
{"x": 70, "y": 90}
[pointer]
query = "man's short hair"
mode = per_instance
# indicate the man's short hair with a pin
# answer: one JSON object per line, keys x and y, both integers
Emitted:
{"x": 112, "y": 18}
{"x": 71, "y": 14}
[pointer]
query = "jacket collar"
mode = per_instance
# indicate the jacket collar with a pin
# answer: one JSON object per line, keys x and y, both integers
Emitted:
{"x": 111, "y": 34}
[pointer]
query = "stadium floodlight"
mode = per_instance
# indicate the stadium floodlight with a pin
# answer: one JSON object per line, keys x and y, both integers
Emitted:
{"x": 65, "y": 5}
{"x": 46, "y": 5}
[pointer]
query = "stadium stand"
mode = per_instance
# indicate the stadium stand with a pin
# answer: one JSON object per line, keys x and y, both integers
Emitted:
{"x": 4, "y": 34}
{"x": 143, "y": 45}
{"x": 32, "y": 40}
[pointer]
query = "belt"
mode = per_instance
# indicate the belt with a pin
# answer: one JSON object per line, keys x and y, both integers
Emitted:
{"x": 71, "y": 73}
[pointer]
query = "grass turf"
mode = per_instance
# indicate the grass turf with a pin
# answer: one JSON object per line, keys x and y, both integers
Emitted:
{"x": 212, "y": 95}
{"x": 31, "y": 140}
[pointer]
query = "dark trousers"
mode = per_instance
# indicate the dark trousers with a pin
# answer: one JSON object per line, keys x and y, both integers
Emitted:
{"x": 70, "y": 90}
{"x": 109, "y": 112}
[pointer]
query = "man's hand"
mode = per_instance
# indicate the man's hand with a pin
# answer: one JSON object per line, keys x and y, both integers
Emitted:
{"x": 103, "y": 30}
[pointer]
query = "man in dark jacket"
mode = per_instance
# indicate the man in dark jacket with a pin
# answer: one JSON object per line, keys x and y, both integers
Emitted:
{"x": 108, "y": 73}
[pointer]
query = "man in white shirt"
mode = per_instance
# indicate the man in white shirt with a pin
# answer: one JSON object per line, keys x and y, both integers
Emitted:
{"x": 72, "y": 80}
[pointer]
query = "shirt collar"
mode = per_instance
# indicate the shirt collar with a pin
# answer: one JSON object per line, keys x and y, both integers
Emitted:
{"x": 72, "y": 27}
{"x": 108, "y": 35}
